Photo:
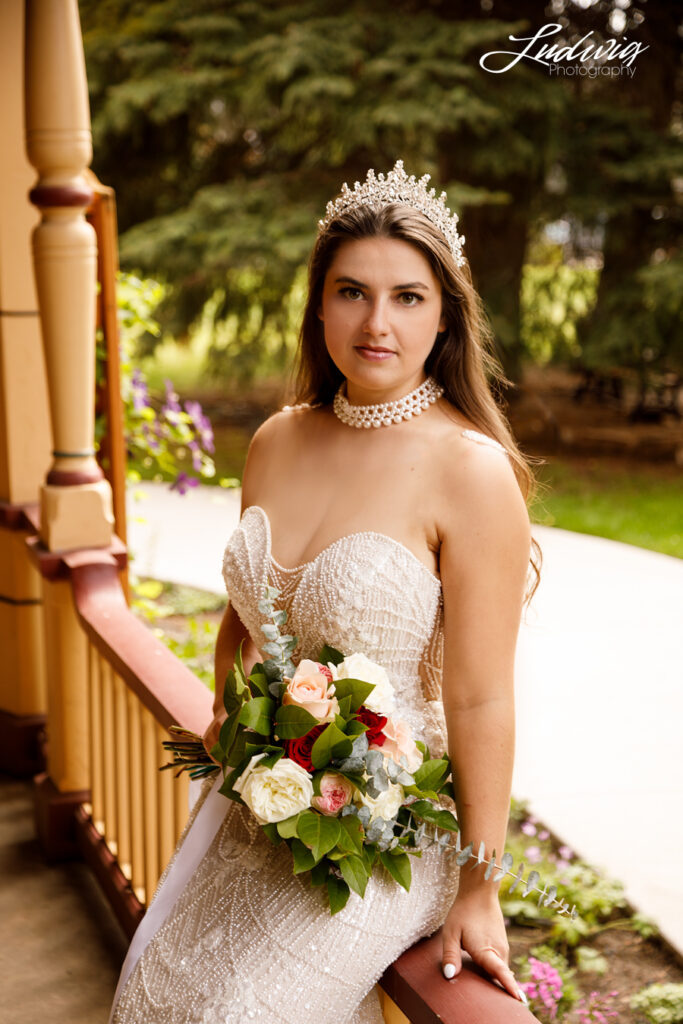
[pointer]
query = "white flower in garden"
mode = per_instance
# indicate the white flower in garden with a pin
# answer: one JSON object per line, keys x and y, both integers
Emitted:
{"x": 358, "y": 666}
{"x": 273, "y": 794}
{"x": 386, "y": 805}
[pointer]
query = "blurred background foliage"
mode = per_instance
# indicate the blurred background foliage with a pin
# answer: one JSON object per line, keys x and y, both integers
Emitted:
{"x": 226, "y": 125}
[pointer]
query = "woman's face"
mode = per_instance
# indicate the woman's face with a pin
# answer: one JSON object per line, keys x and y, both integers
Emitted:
{"x": 381, "y": 312}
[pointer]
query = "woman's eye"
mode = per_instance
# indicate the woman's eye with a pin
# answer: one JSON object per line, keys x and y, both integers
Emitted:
{"x": 348, "y": 289}
{"x": 413, "y": 297}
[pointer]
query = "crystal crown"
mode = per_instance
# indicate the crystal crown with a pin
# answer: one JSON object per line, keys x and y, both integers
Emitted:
{"x": 396, "y": 187}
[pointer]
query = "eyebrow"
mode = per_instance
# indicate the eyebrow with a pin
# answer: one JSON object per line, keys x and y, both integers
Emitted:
{"x": 397, "y": 287}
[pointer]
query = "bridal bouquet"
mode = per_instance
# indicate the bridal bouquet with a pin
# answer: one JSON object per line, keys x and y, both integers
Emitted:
{"x": 318, "y": 755}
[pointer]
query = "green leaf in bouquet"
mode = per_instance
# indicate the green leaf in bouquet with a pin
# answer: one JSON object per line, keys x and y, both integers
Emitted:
{"x": 357, "y": 689}
{"x": 319, "y": 833}
{"x": 240, "y": 674}
{"x": 351, "y": 834}
{"x": 258, "y": 684}
{"x": 424, "y": 750}
{"x": 331, "y": 742}
{"x": 447, "y": 790}
{"x": 430, "y": 775}
{"x": 369, "y": 855}
{"x": 237, "y": 751}
{"x": 272, "y": 834}
{"x": 398, "y": 866}
{"x": 303, "y": 858}
{"x": 319, "y": 872}
{"x": 292, "y": 722}
{"x": 233, "y": 698}
{"x": 354, "y": 873}
{"x": 272, "y": 756}
{"x": 257, "y": 714}
{"x": 354, "y": 727}
{"x": 226, "y": 736}
{"x": 338, "y": 893}
{"x": 271, "y": 667}
{"x": 426, "y": 811}
{"x": 229, "y": 781}
{"x": 328, "y": 654}
{"x": 345, "y": 708}
{"x": 287, "y": 828}
{"x": 355, "y": 777}
{"x": 217, "y": 752}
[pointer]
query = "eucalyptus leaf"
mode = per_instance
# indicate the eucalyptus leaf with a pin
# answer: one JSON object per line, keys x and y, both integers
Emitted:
{"x": 270, "y": 631}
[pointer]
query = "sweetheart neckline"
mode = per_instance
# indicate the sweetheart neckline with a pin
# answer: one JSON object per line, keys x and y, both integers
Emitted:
{"x": 336, "y": 543}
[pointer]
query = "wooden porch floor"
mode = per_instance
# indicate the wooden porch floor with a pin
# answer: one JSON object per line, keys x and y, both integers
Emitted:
{"x": 60, "y": 945}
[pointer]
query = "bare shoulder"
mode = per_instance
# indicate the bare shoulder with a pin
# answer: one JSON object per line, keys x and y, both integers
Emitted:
{"x": 273, "y": 444}
{"x": 479, "y": 497}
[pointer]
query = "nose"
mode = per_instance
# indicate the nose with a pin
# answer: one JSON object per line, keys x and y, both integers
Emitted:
{"x": 377, "y": 323}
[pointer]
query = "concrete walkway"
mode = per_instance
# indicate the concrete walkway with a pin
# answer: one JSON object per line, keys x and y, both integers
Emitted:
{"x": 599, "y": 682}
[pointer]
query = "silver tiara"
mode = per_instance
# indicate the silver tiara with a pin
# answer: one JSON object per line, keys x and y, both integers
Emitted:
{"x": 397, "y": 187}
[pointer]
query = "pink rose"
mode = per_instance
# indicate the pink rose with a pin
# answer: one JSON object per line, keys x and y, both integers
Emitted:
{"x": 335, "y": 792}
{"x": 399, "y": 743}
{"x": 309, "y": 688}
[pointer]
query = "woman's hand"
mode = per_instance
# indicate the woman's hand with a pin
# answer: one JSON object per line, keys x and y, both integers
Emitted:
{"x": 475, "y": 924}
{"x": 210, "y": 737}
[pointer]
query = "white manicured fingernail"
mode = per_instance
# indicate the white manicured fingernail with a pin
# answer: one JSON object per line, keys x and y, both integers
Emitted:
{"x": 522, "y": 996}
{"x": 448, "y": 971}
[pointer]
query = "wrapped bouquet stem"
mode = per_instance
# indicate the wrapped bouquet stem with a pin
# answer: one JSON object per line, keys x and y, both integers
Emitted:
{"x": 319, "y": 756}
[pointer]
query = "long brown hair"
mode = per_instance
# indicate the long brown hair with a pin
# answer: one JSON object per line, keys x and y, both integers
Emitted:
{"x": 461, "y": 360}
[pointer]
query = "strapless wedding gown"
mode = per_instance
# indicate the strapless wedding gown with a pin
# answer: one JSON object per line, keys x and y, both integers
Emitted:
{"x": 231, "y": 935}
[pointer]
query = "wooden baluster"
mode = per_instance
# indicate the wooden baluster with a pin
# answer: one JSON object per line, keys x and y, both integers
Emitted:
{"x": 137, "y": 816}
{"x": 150, "y": 764}
{"x": 109, "y": 757}
{"x": 165, "y": 783}
{"x": 122, "y": 783}
{"x": 96, "y": 752}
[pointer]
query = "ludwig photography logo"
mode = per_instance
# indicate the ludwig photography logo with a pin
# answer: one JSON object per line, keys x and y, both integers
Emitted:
{"x": 611, "y": 58}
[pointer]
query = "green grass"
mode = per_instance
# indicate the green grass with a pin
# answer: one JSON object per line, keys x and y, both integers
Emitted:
{"x": 641, "y": 505}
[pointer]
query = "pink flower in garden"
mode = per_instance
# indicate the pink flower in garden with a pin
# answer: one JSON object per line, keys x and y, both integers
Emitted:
{"x": 528, "y": 828}
{"x": 543, "y": 835}
{"x": 597, "y": 1009}
{"x": 533, "y": 854}
{"x": 546, "y": 986}
{"x": 566, "y": 852}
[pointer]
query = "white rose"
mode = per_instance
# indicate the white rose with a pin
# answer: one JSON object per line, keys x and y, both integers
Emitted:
{"x": 386, "y": 805}
{"x": 358, "y": 666}
{"x": 273, "y": 794}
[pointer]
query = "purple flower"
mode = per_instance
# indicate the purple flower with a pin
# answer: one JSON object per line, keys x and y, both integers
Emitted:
{"x": 566, "y": 852}
{"x": 138, "y": 387}
{"x": 172, "y": 402}
{"x": 201, "y": 423}
{"x": 544, "y": 834}
{"x": 196, "y": 455}
{"x": 528, "y": 828}
{"x": 533, "y": 854}
{"x": 183, "y": 483}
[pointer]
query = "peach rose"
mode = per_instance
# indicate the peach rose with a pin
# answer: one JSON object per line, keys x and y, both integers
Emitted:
{"x": 399, "y": 743}
{"x": 335, "y": 792}
{"x": 310, "y": 688}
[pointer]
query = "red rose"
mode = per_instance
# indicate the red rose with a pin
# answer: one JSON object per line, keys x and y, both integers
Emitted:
{"x": 299, "y": 750}
{"x": 375, "y": 724}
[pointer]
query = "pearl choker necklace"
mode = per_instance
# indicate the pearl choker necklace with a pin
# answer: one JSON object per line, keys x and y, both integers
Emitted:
{"x": 386, "y": 413}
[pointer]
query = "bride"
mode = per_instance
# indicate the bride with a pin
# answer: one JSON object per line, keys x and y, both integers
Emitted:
{"x": 388, "y": 507}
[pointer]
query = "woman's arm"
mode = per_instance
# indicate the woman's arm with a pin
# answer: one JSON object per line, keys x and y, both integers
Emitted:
{"x": 232, "y": 630}
{"x": 483, "y": 561}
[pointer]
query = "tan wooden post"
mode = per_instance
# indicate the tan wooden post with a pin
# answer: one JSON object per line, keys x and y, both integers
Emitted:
{"x": 25, "y": 438}
{"x": 76, "y": 505}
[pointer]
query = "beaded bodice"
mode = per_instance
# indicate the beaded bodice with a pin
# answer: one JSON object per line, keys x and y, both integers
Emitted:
{"x": 365, "y": 592}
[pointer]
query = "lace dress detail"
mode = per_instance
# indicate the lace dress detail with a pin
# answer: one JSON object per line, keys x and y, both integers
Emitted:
{"x": 246, "y": 939}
